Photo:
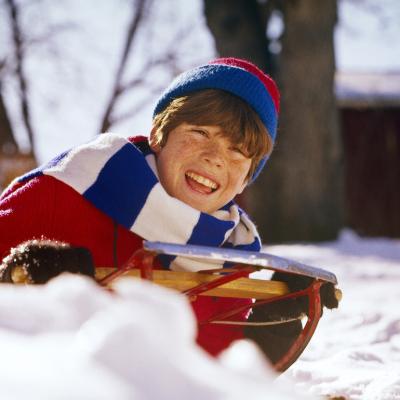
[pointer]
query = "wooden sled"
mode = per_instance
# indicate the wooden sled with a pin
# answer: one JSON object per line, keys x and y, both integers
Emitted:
{"x": 230, "y": 282}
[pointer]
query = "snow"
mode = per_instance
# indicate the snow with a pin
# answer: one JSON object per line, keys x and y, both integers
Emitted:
{"x": 72, "y": 339}
{"x": 355, "y": 352}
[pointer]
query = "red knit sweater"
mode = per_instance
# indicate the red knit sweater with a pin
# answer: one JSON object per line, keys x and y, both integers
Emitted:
{"x": 47, "y": 207}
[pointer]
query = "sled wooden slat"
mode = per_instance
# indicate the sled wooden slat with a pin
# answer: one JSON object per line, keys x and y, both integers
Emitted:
{"x": 182, "y": 281}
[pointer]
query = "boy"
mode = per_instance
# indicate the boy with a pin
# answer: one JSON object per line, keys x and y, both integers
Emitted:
{"x": 213, "y": 130}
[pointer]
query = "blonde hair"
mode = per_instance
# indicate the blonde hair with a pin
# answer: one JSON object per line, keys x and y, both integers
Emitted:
{"x": 237, "y": 120}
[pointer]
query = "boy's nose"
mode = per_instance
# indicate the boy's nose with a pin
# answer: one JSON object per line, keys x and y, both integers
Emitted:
{"x": 213, "y": 157}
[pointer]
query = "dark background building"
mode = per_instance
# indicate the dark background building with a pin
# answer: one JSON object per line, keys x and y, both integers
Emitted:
{"x": 369, "y": 107}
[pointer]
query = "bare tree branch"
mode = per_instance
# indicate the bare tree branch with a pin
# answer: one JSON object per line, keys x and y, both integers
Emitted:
{"x": 134, "y": 110}
{"x": 132, "y": 30}
{"x": 20, "y": 58}
{"x": 50, "y": 34}
{"x": 168, "y": 58}
{"x": 2, "y": 65}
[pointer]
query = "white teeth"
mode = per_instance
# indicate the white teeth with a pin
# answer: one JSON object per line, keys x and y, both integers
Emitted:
{"x": 201, "y": 179}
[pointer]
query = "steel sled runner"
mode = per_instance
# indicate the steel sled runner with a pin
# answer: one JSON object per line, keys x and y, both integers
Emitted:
{"x": 231, "y": 282}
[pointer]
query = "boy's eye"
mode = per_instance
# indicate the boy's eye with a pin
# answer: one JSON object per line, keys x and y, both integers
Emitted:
{"x": 239, "y": 151}
{"x": 200, "y": 131}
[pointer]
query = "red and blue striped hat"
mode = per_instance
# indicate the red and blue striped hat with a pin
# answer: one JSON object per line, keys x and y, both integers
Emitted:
{"x": 238, "y": 77}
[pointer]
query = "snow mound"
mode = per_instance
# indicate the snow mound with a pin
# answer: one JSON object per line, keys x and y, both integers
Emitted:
{"x": 70, "y": 339}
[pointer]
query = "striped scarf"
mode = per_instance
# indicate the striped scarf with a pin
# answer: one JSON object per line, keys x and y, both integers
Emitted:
{"x": 120, "y": 179}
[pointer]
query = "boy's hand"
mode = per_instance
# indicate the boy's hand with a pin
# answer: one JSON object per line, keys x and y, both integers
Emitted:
{"x": 330, "y": 296}
{"x": 275, "y": 340}
{"x": 39, "y": 261}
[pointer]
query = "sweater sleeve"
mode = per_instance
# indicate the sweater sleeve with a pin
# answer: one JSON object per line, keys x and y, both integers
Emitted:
{"x": 26, "y": 209}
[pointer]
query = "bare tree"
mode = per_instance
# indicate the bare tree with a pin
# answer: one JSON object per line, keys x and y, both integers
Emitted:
{"x": 118, "y": 87}
{"x": 12, "y": 161}
{"x": 21, "y": 45}
{"x": 124, "y": 82}
{"x": 19, "y": 57}
{"x": 134, "y": 68}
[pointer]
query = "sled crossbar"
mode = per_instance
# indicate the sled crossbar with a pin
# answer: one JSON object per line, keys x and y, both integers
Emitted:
{"x": 259, "y": 260}
{"x": 183, "y": 281}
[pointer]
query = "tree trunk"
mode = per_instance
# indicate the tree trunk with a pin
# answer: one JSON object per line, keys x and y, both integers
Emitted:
{"x": 20, "y": 61}
{"x": 12, "y": 162}
{"x": 7, "y": 141}
{"x": 298, "y": 197}
{"x": 238, "y": 27}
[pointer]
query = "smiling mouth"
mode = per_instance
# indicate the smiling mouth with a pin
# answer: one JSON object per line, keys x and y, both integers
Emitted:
{"x": 202, "y": 183}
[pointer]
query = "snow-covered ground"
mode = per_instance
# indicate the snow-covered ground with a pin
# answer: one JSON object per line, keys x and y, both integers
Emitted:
{"x": 71, "y": 340}
{"x": 355, "y": 352}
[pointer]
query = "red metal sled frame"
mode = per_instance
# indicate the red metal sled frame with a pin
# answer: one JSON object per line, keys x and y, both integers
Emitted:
{"x": 144, "y": 261}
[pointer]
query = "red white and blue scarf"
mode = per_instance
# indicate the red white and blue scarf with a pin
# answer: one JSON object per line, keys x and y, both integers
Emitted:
{"x": 120, "y": 179}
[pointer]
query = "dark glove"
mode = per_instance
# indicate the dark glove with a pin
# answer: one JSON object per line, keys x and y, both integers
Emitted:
{"x": 328, "y": 293}
{"x": 37, "y": 261}
{"x": 276, "y": 340}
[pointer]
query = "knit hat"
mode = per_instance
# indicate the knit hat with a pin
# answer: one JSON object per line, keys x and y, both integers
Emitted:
{"x": 238, "y": 77}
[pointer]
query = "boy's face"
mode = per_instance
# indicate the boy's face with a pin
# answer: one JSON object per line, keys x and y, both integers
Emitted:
{"x": 200, "y": 167}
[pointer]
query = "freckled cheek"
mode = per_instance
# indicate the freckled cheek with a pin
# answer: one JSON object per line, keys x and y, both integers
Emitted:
{"x": 238, "y": 177}
{"x": 185, "y": 154}
{"x": 237, "y": 170}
